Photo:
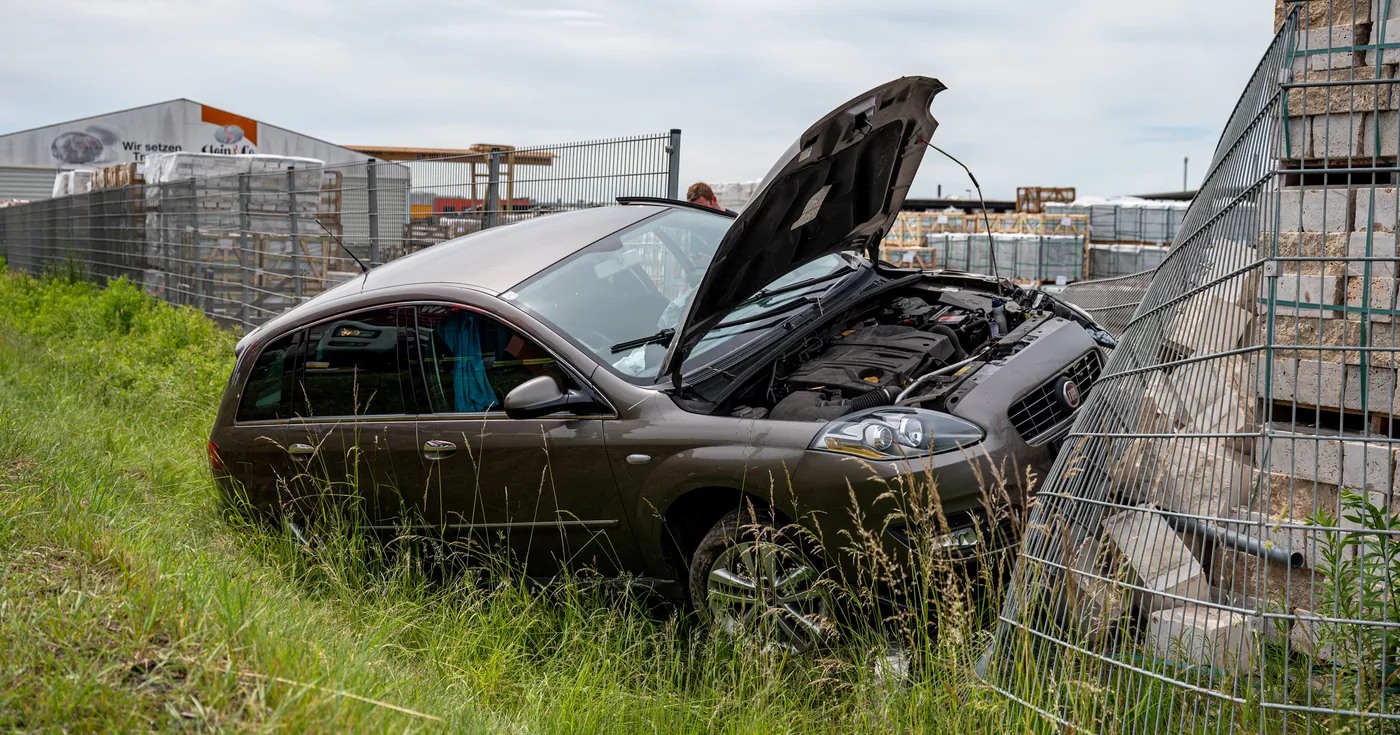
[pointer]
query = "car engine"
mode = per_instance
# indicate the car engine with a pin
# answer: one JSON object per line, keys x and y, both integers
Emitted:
{"x": 923, "y": 346}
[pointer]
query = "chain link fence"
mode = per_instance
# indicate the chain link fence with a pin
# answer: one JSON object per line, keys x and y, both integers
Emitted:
{"x": 1215, "y": 548}
{"x": 245, "y": 238}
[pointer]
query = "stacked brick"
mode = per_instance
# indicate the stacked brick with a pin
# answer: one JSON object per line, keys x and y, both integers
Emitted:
{"x": 1331, "y": 380}
{"x": 1281, "y": 388}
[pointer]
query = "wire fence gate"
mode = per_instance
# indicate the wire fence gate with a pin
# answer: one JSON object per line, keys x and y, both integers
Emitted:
{"x": 1215, "y": 547}
{"x": 246, "y": 237}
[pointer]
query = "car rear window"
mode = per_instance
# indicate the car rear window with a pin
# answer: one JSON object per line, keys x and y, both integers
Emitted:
{"x": 266, "y": 395}
{"x": 350, "y": 367}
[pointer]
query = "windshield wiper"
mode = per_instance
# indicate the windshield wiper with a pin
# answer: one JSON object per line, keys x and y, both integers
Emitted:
{"x": 782, "y": 308}
{"x": 770, "y": 292}
{"x": 660, "y": 338}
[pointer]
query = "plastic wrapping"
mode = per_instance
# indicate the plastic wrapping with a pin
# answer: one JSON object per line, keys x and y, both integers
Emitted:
{"x": 1036, "y": 258}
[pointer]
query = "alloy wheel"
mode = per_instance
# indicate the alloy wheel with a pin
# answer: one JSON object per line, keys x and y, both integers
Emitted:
{"x": 766, "y": 589}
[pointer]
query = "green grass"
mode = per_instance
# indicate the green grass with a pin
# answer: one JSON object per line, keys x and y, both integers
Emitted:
{"x": 129, "y": 601}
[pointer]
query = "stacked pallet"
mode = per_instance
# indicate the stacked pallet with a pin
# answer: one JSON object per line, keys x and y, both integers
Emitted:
{"x": 1031, "y": 248}
{"x": 225, "y": 231}
{"x": 122, "y": 174}
{"x": 911, "y": 229}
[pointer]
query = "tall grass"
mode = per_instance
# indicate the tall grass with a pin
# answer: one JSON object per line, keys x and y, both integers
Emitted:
{"x": 130, "y": 600}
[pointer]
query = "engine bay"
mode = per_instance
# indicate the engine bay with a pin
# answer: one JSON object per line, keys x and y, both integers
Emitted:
{"x": 912, "y": 347}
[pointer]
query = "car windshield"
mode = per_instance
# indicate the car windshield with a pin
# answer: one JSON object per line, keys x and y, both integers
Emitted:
{"x": 622, "y": 297}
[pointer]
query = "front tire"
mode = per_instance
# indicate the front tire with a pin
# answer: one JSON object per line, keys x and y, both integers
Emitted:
{"x": 750, "y": 578}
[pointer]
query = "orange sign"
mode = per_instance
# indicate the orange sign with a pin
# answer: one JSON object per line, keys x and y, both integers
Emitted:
{"x": 224, "y": 119}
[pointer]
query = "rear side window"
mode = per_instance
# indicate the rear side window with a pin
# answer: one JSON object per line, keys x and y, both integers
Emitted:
{"x": 267, "y": 394}
{"x": 471, "y": 361}
{"x": 350, "y": 367}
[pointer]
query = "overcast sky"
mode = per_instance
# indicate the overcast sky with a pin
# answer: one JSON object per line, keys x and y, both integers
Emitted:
{"x": 1104, "y": 95}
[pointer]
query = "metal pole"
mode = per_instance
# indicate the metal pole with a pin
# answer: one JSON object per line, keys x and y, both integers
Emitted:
{"x": 373, "y": 214}
{"x": 673, "y": 165}
{"x": 1185, "y": 167}
{"x": 292, "y": 226}
{"x": 244, "y": 223}
{"x": 493, "y": 182}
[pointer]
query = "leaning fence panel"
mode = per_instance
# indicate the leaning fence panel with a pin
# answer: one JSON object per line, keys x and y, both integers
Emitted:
{"x": 244, "y": 238}
{"x": 1215, "y": 548}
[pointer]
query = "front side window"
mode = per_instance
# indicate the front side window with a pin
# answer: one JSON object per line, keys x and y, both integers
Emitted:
{"x": 471, "y": 360}
{"x": 267, "y": 395}
{"x": 621, "y": 297}
{"x": 350, "y": 367}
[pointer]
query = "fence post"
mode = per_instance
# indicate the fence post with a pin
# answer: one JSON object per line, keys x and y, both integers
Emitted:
{"x": 292, "y": 228}
{"x": 493, "y": 194}
{"x": 373, "y": 177}
{"x": 673, "y": 165}
{"x": 244, "y": 191}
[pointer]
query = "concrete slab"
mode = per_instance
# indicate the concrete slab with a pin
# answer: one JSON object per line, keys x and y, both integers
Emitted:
{"x": 1299, "y": 337}
{"x": 1202, "y": 477}
{"x": 1312, "y": 456}
{"x": 1375, "y": 244}
{"x": 1208, "y": 324}
{"x": 1156, "y": 559}
{"x": 1315, "y": 209}
{"x": 1099, "y": 604}
{"x": 1369, "y": 466}
{"x": 1389, "y": 124}
{"x": 1371, "y": 298}
{"x": 1308, "y": 245}
{"x": 1326, "y": 48}
{"x": 1336, "y": 135}
{"x": 1304, "y": 636}
{"x": 1303, "y": 295}
{"x": 1203, "y": 636}
{"x": 1375, "y": 210}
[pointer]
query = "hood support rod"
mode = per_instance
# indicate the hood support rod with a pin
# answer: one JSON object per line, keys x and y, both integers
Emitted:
{"x": 991, "y": 244}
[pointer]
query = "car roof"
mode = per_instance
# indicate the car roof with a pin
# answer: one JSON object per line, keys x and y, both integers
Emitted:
{"x": 492, "y": 260}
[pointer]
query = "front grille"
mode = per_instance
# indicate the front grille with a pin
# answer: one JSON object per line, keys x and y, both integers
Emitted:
{"x": 1038, "y": 411}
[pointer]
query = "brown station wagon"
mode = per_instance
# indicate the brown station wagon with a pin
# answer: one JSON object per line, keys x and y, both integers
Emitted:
{"x": 609, "y": 387}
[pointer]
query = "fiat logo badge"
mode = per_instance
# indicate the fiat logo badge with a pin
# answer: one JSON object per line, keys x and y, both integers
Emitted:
{"x": 1069, "y": 393}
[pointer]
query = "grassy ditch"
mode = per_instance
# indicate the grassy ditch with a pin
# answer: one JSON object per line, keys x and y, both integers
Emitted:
{"x": 127, "y": 600}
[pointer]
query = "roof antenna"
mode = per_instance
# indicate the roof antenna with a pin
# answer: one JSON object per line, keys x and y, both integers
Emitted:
{"x": 363, "y": 269}
{"x": 991, "y": 245}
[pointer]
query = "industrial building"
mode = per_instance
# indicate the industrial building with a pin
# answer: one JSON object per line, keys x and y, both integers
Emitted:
{"x": 30, "y": 159}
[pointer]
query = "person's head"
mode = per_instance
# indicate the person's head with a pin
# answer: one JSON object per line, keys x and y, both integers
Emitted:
{"x": 701, "y": 193}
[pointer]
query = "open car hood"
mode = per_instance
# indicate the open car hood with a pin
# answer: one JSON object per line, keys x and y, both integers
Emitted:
{"x": 837, "y": 188}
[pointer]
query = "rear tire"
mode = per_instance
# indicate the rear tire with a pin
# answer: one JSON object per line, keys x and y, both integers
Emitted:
{"x": 750, "y": 578}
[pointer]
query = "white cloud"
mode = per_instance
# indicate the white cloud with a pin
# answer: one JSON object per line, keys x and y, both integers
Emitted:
{"x": 1100, "y": 94}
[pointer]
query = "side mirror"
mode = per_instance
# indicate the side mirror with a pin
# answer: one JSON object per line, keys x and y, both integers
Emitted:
{"x": 542, "y": 396}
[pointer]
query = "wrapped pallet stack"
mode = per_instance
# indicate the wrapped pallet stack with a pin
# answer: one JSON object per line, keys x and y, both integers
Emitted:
{"x": 1031, "y": 248}
{"x": 1129, "y": 234}
{"x": 210, "y": 219}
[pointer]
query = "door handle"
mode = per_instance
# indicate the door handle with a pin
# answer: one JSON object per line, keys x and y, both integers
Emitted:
{"x": 301, "y": 451}
{"x": 438, "y": 448}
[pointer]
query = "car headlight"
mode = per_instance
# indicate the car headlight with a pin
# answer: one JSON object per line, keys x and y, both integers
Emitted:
{"x": 893, "y": 433}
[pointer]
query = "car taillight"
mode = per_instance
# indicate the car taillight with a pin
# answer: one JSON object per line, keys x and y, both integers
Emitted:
{"x": 215, "y": 462}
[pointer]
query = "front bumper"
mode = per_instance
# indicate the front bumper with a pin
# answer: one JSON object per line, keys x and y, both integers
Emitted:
{"x": 869, "y": 514}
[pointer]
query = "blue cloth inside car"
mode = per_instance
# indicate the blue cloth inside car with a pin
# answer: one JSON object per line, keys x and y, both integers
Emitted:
{"x": 471, "y": 391}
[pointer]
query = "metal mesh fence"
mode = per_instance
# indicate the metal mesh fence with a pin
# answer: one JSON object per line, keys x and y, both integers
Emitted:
{"x": 1111, "y": 301}
{"x": 245, "y": 238}
{"x": 1215, "y": 548}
